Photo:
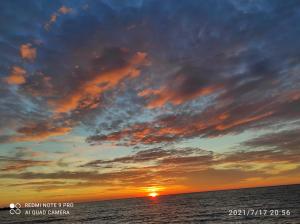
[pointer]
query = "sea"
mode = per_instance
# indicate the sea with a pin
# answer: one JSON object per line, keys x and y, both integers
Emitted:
{"x": 268, "y": 205}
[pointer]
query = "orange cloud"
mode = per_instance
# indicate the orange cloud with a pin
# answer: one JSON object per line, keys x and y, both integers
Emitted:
{"x": 175, "y": 128}
{"x": 88, "y": 93}
{"x": 39, "y": 131}
{"x": 246, "y": 120}
{"x": 142, "y": 133}
{"x": 28, "y": 52}
{"x": 64, "y": 10}
{"x": 187, "y": 83}
{"x": 61, "y": 11}
{"x": 53, "y": 18}
{"x": 167, "y": 95}
{"x": 17, "y": 76}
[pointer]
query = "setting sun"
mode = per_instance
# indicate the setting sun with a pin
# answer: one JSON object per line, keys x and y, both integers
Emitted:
{"x": 153, "y": 194}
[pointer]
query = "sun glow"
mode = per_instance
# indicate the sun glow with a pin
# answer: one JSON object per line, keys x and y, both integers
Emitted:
{"x": 153, "y": 194}
{"x": 153, "y": 191}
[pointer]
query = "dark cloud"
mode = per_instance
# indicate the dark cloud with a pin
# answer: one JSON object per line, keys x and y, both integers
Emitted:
{"x": 196, "y": 158}
{"x": 186, "y": 84}
{"x": 216, "y": 120}
{"x": 33, "y": 183}
{"x": 39, "y": 85}
{"x": 263, "y": 156}
{"x": 38, "y": 131}
{"x": 21, "y": 159}
{"x": 158, "y": 155}
{"x": 287, "y": 141}
{"x": 15, "y": 164}
{"x": 23, "y": 152}
{"x": 130, "y": 175}
{"x": 19, "y": 165}
{"x": 216, "y": 177}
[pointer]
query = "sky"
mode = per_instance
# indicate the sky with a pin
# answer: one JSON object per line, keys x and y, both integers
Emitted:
{"x": 113, "y": 99}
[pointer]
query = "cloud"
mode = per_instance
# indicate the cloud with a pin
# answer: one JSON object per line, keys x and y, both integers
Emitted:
{"x": 40, "y": 131}
{"x": 17, "y": 76}
{"x": 79, "y": 175}
{"x": 38, "y": 85}
{"x": 37, "y": 131}
{"x": 157, "y": 155}
{"x": 34, "y": 183}
{"x": 262, "y": 156}
{"x": 23, "y": 164}
{"x": 19, "y": 163}
{"x": 22, "y": 159}
{"x": 214, "y": 121}
{"x": 23, "y": 152}
{"x": 186, "y": 84}
{"x": 286, "y": 140}
{"x": 61, "y": 11}
{"x": 64, "y": 10}
{"x": 214, "y": 178}
{"x": 88, "y": 91}
{"x": 28, "y": 52}
{"x": 195, "y": 158}
{"x": 240, "y": 122}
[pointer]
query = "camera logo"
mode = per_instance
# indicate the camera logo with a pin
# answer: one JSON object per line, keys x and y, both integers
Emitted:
{"x": 15, "y": 208}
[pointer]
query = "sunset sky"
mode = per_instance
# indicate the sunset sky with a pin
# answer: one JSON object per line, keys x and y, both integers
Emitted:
{"x": 112, "y": 99}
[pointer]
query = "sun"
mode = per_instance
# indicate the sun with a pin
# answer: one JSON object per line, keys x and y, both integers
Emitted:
{"x": 153, "y": 194}
{"x": 153, "y": 191}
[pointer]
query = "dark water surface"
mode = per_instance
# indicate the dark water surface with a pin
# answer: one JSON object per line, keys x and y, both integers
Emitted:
{"x": 207, "y": 207}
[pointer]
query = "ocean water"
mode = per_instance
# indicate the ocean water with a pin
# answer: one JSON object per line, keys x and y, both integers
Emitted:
{"x": 267, "y": 205}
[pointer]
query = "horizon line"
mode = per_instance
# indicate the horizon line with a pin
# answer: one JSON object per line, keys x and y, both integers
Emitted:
{"x": 162, "y": 195}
